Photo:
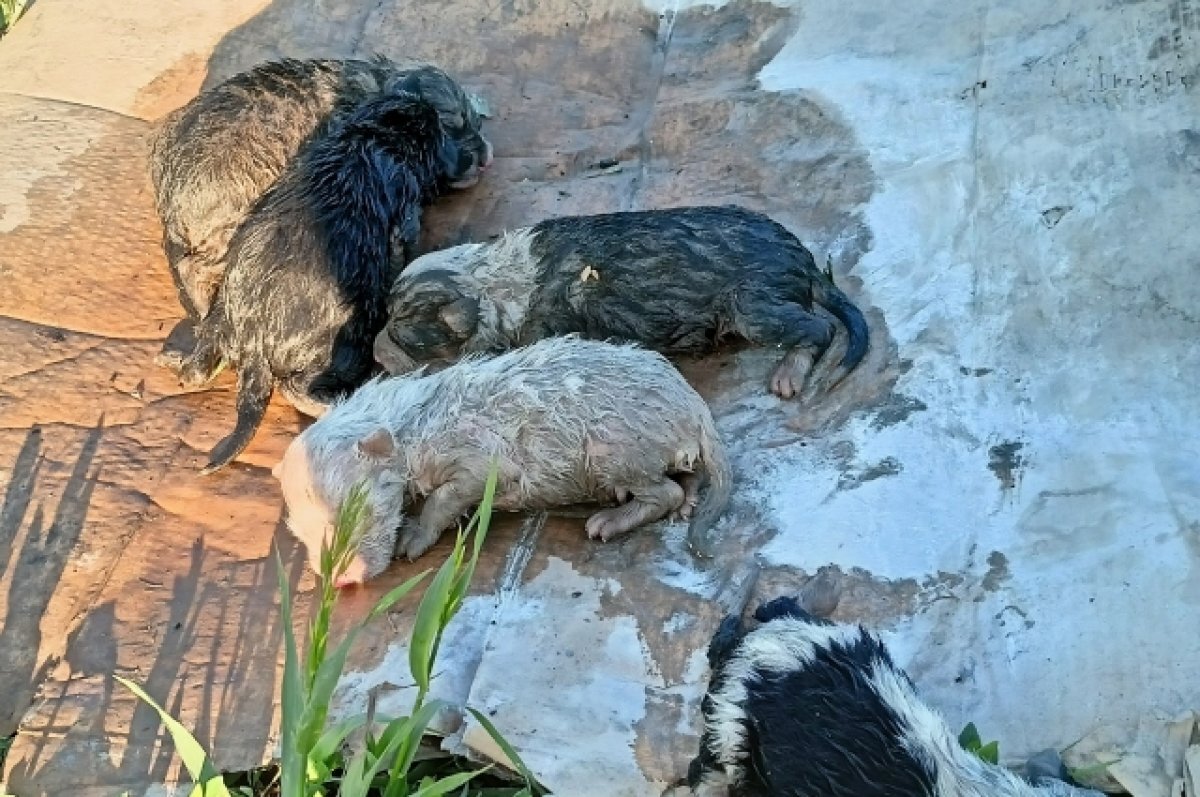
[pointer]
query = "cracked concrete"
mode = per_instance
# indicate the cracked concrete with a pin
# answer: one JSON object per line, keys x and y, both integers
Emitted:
{"x": 1003, "y": 488}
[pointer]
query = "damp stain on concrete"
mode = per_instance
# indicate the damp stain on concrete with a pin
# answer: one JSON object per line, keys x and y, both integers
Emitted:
{"x": 853, "y": 479}
{"x": 997, "y": 572}
{"x": 1005, "y": 461}
{"x": 896, "y": 409}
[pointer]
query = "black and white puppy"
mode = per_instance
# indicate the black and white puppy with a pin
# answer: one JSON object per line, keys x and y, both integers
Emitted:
{"x": 675, "y": 280}
{"x": 306, "y": 287}
{"x": 803, "y": 707}
{"x": 213, "y": 158}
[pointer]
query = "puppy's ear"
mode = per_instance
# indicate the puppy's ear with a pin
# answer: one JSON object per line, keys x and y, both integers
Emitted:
{"x": 379, "y": 444}
{"x": 461, "y": 316}
{"x": 410, "y": 83}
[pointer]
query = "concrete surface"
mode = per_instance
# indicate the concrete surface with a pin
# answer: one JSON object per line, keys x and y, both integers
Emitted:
{"x": 1009, "y": 486}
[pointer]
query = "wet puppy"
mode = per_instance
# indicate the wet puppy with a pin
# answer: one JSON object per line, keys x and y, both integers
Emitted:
{"x": 305, "y": 291}
{"x": 569, "y": 421}
{"x": 212, "y": 159}
{"x": 806, "y": 707}
{"x": 676, "y": 280}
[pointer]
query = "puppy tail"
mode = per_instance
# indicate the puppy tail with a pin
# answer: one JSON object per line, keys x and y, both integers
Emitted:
{"x": 716, "y": 491}
{"x": 255, "y": 385}
{"x": 829, "y": 296}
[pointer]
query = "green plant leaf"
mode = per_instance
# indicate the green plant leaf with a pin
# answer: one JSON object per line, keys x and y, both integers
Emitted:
{"x": 394, "y": 595}
{"x": 530, "y": 783}
{"x": 427, "y": 628}
{"x": 195, "y": 759}
{"x": 409, "y": 737}
{"x": 354, "y": 781}
{"x": 989, "y": 752}
{"x": 331, "y": 741}
{"x": 480, "y": 522}
{"x": 292, "y": 763}
{"x": 447, "y": 784}
{"x": 969, "y": 739}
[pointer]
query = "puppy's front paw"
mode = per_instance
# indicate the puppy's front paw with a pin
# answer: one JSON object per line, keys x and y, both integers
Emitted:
{"x": 606, "y": 524}
{"x": 417, "y": 544}
{"x": 196, "y": 372}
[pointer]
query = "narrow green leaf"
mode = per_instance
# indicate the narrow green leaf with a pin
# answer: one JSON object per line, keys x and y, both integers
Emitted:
{"x": 195, "y": 759}
{"x": 969, "y": 739}
{"x": 414, "y": 731}
{"x": 530, "y": 783}
{"x": 394, "y": 595}
{"x": 990, "y": 752}
{"x": 354, "y": 781}
{"x": 331, "y": 741}
{"x": 480, "y": 522}
{"x": 447, "y": 784}
{"x": 291, "y": 767}
{"x": 422, "y": 646}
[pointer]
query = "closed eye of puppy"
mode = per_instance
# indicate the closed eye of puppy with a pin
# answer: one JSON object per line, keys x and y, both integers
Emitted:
{"x": 212, "y": 159}
{"x": 306, "y": 288}
{"x": 568, "y": 421}
{"x": 675, "y": 280}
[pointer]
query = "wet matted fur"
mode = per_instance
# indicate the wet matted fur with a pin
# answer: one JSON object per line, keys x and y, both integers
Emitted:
{"x": 677, "y": 280}
{"x": 806, "y": 707}
{"x": 569, "y": 421}
{"x": 305, "y": 290}
{"x": 212, "y": 159}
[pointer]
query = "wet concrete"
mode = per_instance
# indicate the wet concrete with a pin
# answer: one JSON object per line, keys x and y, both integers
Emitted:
{"x": 1002, "y": 487}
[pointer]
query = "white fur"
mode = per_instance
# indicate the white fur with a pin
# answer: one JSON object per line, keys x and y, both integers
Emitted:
{"x": 502, "y": 273}
{"x": 568, "y": 421}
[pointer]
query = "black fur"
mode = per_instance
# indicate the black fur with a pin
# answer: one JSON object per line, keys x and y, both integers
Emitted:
{"x": 212, "y": 159}
{"x": 676, "y": 280}
{"x": 815, "y": 731}
{"x": 307, "y": 276}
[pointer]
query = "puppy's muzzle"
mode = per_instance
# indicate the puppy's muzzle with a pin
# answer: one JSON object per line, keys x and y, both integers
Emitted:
{"x": 393, "y": 359}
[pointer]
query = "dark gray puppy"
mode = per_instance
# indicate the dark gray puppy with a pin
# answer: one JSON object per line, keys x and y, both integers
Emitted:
{"x": 213, "y": 158}
{"x": 676, "y": 280}
{"x": 306, "y": 287}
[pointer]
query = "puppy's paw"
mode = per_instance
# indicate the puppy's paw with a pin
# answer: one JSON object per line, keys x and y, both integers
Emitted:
{"x": 417, "y": 544}
{"x": 171, "y": 358}
{"x": 606, "y": 524}
{"x": 685, "y": 511}
{"x": 787, "y": 380}
{"x": 197, "y": 372}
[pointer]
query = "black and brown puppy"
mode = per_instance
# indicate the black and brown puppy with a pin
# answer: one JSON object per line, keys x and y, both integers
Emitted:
{"x": 306, "y": 287}
{"x": 676, "y": 280}
{"x": 212, "y": 159}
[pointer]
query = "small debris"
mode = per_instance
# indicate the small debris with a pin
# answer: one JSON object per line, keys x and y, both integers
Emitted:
{"x": 1052, "y": 216}
{"x": 603, "y": 172}
{"x": 589, "y": 273}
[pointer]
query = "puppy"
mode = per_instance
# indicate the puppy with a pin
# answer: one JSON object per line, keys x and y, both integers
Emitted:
{"x": 305, "y": 292}
{"x": 677, "y": 281}
{"x": 569, "y": 421}
{"x": 806, "y": 707}
{"x": 212, "y": 159}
